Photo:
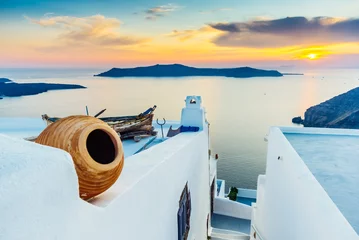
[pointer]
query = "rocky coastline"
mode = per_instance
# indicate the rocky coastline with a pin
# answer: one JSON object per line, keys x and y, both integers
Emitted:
{"x": 8, "y": 88}
{"x": 341, "y": 111}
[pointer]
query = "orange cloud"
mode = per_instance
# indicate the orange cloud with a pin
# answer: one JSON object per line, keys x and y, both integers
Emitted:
{"x": 289, "y": 39}
{"x": 98, "y": 39}
{"x": 95, "y": 30}
{"x": 184, "y": 35}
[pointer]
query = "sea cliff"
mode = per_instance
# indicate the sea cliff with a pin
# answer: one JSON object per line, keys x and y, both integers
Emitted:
{"x": 178, "y": 70}
{"x": 341, "y": 111}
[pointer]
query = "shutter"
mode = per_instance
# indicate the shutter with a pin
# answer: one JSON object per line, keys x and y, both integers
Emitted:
{"x": 184, "y": 214}
{"x": 180, "y": 223}
{"x": 189, "y": 203}
{"x": 185, "y": 217}
{"x": 189, "y": 209}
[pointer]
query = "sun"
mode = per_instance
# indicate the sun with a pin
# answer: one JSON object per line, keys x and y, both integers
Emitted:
{"x": 312, "y": 56}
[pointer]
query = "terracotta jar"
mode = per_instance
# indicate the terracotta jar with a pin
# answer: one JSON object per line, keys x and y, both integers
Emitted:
{"x": 96, "y": 150}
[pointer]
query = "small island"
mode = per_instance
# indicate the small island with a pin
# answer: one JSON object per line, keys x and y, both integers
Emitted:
{"x": 5, "y": 80}
{"x": 178, "y": 70}
{"x": 293, "y": 74}
{"x": 8, "y": 88}
{"x": 341, "y": 111}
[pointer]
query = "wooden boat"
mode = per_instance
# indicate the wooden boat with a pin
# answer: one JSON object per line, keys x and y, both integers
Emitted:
{"x": 127, "y": 126}
{"x": 131, "y": 125}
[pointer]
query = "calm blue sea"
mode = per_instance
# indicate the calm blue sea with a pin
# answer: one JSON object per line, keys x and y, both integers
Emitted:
{"x": 240, "y": 110}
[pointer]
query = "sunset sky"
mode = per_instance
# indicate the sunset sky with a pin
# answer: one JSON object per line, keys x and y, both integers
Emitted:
{"x": 222, "y": 33}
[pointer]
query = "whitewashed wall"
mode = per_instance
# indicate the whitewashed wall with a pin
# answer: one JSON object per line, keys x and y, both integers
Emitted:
{"x": 247, "y": 193}
{"x": 39, "y": 193}
{"x": 226, "y": 207}
{"x": 291, "y": 204}
{"x": 222, "y": 188}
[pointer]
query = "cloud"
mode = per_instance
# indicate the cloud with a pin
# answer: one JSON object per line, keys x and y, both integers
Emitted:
{"x": 160, "y": 11}
{"x": 226, "y": 27}
{"x": 184, "y": 35}
{"x": 94, "y": 30}
{"x": 151, "y": 17}
{"x": 48, "y": 14}
{"x": 287, "y": 32}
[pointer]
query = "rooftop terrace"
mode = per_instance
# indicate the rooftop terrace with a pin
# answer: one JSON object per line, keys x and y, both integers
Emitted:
{"x": 333, "y": 160}
{"x": 309, "y": 190}
{"x": 39, "y": 186}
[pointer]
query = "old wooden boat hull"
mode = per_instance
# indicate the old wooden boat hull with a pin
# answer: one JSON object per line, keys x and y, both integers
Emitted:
{"x": 125, "y": 126}
{"x": 131, "y": 125}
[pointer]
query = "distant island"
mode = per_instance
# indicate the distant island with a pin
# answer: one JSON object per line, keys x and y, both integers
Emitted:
{"x": 178, "y": 70}
{"x": 8, "y": 88}
{"x": 4, "y": 80}
{"x": 341, "y": 111}
{"x": 293, "y": 74}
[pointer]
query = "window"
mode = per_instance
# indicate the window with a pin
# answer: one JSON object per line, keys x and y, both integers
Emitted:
{"x": 184, "y": 214}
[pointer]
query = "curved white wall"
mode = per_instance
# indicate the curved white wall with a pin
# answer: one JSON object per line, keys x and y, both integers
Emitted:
{"x": 39, "y": 193}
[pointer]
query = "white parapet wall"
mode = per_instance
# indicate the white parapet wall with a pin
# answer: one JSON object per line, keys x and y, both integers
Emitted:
{"x": 39, "y": 193}
{"x": 226, "y": 207}
{"x": 291, "y": 204}
{"x": 258, "y": 204}
{"x": 247, "y": 193}
{"x": 221, "y": 192}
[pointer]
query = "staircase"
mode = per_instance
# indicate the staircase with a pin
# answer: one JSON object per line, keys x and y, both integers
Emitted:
{"x": 220, "y": 234}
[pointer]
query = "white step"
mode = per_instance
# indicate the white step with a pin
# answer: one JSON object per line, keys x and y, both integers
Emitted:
{"x": 221, "y": 234}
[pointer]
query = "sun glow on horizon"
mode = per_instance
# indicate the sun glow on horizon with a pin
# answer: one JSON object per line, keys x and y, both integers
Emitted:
{"x": 312, "y": 56}
{"x": 100, "y": 40}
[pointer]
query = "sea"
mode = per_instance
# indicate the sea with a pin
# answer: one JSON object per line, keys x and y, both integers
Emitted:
{"x": 240, "y": 111}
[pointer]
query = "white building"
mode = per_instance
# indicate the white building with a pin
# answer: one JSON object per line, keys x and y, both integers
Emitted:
{"x": 163, "y": 192}
{"x": 310, "y": 189}
{"x": 170, "y": 190}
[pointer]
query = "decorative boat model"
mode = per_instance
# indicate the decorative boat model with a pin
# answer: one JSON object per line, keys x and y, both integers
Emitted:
{"x": 125, "y": 126}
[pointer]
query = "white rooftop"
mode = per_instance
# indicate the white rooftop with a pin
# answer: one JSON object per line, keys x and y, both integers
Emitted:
{"x": 39, "y": 188}
{"x": 333, "y": 159}
{"x": 309, "y": 187}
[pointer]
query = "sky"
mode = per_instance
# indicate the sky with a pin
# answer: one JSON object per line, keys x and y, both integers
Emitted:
{"x": 202, "y": 33}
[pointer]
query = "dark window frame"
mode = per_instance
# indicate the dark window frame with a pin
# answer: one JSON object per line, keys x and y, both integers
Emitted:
{"x": 184, "y": 214}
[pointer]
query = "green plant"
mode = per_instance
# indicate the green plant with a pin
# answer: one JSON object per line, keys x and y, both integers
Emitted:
{"x": 232, "y": 195}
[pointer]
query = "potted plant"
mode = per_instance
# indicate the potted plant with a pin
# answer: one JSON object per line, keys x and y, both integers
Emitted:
{"x": 232, "y": 195}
